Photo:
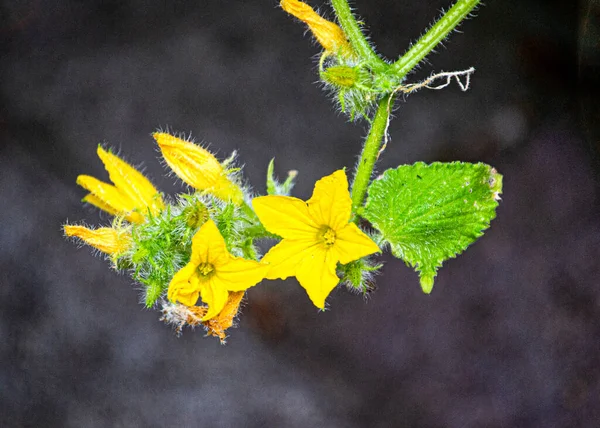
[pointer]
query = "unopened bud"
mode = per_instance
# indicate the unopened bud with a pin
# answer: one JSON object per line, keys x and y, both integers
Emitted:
{"x": 327, "y": 33}
{"x": 198, "y": 167}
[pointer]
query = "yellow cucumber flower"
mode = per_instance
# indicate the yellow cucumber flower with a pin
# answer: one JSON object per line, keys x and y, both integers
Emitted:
{"x": 212, "y": 272}
{"x": 198, "y": 167}
{"x": 131, "y": 196}
{"x": 317, "y": 234}
{"x": 106, "y": 239}
{"x": 327, "y": 33}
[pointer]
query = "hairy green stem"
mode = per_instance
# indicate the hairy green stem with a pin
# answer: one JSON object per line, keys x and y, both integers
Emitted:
{"x": 368, "y": 157}
{"x": 434, "y": 36}
{"x": 448, "y": 22}
{"x": 355, "y": 35}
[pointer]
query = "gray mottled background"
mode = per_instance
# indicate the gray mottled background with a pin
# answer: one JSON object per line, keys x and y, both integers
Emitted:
{"x": 510, "y": 336}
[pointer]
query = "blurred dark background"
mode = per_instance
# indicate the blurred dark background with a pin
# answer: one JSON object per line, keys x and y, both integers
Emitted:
{"x": 510, "y": 336}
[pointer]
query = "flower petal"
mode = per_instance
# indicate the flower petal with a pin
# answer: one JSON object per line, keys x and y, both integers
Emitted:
{"x": 131, "y": 182}
{"x": 105, "y": 239}
{"x": 330, "y": 204}
{"x": 92, "y": 199}
{"x": 285, "y": 257}
{"x": 130, "y": 216}
{"x": 351, "y": 244}
{"x": 107, "y": 193}
{"x": 328, "y": 34}
{"x": 181, "y": 289}
{"x": 285, "y": 216}
{"x": 215, "y": 297}
{"x": 317, "y": 275}
{"x": 240, "y": 274}
{"x": 185, "y": 296}
{"x": 208, "y": 246}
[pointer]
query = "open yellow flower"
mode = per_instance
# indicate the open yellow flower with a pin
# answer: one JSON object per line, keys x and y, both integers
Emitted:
{"x": 212, "y": 272}
{"x": 198, "y": 167}
{"x": 317, "y": 234}
{"x": 131, "y": 196}
{"x": 327, "y": 33}
{"x": 106, "y": 239}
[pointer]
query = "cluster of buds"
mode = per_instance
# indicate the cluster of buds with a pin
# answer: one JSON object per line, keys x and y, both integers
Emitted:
{"x": 196, "y": 256}
{"x": 356, "y": 83}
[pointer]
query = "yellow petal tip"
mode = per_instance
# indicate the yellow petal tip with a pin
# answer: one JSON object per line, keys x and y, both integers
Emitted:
{"x": 100, "y": 151}
{"x": 164, "y": 139}
{"x": 106, "y": 239}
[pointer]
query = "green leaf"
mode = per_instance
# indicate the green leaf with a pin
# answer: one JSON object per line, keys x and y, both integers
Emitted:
{"x": 430, "y": 213}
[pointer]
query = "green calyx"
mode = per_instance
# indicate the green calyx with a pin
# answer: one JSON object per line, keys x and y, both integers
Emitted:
{"x": 358, "y": 276}
{"x": 196, "y": 214}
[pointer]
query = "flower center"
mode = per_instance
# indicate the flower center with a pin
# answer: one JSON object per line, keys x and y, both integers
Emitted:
{"x": 205, "y": 269}
{"x": 328, "y": 237}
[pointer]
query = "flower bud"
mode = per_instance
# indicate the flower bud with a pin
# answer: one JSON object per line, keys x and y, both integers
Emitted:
{"x": 327, "y": 33}
{"x": 198, "y": 167}
{"x": 132, "y": 195}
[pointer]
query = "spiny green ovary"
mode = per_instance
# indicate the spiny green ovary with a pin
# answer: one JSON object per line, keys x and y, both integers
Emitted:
{"x": 161, "y": 247}
{"x": 341, "y": 75}
{"x": 358, "y": 88}
{"x": 196, "y": 215}
{"x": 352, "y": 86}
{"x": 358, "y": 275}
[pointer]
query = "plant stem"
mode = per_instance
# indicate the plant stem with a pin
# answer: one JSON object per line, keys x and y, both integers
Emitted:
{"x": 368, "y": 157}
{"x": 355, "y": 34}
{"x": 433, "y": 37}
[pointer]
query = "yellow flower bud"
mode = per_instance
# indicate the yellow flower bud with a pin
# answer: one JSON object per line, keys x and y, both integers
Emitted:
{"x": 327, "y": 33}
{"x": 106, "y": 239}
{"x": 131, "y": 182}
{"x": 198, "y": 167}
{"x": 131, "y": 196}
